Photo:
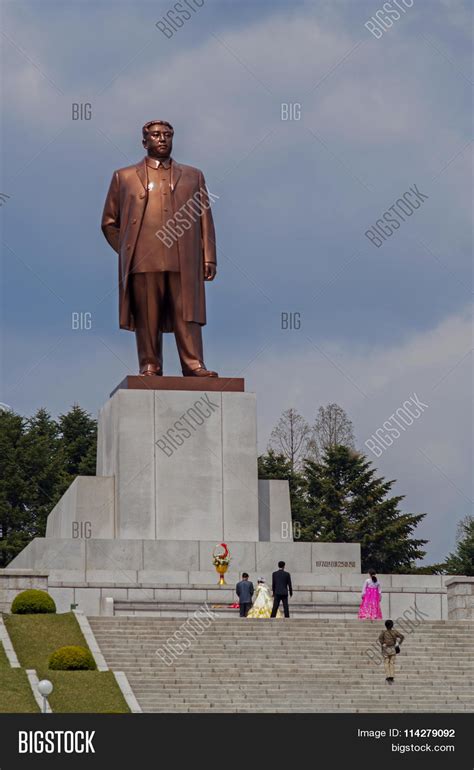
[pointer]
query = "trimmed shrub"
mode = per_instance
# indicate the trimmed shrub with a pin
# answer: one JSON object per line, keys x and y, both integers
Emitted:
{"x": 72, "y": 658}
{"x": 32, "y": 602}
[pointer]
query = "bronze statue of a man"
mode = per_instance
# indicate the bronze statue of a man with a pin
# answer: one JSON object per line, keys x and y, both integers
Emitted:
{"x": 157, "y": 217}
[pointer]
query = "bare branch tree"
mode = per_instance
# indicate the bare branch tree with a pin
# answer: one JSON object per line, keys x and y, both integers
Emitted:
{"x": 291, "y": 437}
{"x": 332, "y": 427}
{"x": 462, "y": 527}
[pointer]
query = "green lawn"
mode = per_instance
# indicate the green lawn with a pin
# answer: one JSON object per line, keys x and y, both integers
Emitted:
{"x": 15, "y": 690}
{"x": 35, "y": 637}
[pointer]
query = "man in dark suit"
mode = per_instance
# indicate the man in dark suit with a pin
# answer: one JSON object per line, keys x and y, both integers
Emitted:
{"x": 281, "y": 587}
{"x": 244, "y": 590}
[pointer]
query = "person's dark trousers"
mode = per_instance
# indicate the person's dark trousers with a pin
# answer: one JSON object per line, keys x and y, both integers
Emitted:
{"x": 276, "y": 603}
{"x": 244, "y": 608}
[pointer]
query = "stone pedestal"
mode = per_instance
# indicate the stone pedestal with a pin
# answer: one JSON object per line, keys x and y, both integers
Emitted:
{"x": 184, "y": 464}
{"x": 176, "y": 474}
{"x": 146, "y": 562}
{"x": 212, "y": 384}
{"x": 86, "y": 509}
{"x": 274, "y": 520}
{"x": 175, "y": 462}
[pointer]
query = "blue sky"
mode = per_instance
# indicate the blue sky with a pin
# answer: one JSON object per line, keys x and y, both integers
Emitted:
{"x": 295, "y": 199}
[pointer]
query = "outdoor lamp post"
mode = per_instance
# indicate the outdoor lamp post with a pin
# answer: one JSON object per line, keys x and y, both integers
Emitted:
{"x": 45, "y": 688}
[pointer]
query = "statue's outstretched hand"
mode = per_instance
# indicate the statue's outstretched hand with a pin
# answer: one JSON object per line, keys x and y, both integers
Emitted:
{"x": 209, "y": 271}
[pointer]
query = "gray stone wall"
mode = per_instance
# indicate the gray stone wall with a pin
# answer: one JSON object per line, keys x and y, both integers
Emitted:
{"x": 404, "y": 597}
{"x": 460, "y": 598}
{"x": 150, "y": 571}
{"x": 180, "y": 561}
{"x": 14, "y": 581}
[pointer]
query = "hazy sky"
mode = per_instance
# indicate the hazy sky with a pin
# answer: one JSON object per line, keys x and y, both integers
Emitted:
{"x": 377, "y": 116}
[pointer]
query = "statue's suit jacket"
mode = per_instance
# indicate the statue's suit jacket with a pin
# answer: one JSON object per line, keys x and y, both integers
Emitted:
{"x": 121, "y": 222}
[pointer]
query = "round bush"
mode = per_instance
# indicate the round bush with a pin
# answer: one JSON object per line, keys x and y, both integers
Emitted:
{"x": 33, "y": 602}
{"x": 72, "y": 658}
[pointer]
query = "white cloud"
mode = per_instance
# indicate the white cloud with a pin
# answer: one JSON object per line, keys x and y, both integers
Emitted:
{"x": 370, "y": 98}
{"x": 436, "y": 365}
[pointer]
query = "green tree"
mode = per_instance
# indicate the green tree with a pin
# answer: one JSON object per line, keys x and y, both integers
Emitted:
{"x": 276, "y": 466}
{"x": 347, "y": 503}
{"x": 39, "y": 459}
{"x": 14, "y": 533}
{"x": 461, "y": 562}
{"x": 29, "y": 476}
{"x": 78, "y": 444}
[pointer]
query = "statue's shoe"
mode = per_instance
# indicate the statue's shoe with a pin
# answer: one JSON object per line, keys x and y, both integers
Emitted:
{"x": 201, "y": 372}
{"x": 150, "y": 370}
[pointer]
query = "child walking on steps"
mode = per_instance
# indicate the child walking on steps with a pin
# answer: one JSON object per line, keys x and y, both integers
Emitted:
{"x": 390, "y": 641}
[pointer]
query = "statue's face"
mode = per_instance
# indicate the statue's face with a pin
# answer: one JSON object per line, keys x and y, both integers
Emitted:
{"x": 159, "y": 141}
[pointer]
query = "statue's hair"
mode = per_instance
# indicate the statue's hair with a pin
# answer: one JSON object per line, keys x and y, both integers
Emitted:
{"x": 153, "y": 123}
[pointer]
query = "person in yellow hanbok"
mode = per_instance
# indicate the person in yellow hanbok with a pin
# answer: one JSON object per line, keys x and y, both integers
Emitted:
{"x": 263, "y": 602}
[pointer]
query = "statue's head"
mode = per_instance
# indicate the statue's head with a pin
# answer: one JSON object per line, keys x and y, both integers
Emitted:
{"x": 158, "y": 138}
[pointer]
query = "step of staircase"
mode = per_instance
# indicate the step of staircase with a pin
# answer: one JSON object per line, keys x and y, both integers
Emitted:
{"x": 179, "y": 609}
{"x": 297, "y": 665}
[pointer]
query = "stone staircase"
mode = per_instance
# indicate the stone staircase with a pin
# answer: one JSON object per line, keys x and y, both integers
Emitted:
{"x": 296, "y": 665}
{"x": 347, "y": 608}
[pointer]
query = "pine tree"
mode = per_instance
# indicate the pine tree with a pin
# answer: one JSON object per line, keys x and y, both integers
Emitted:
{"x": 14, "y": 533}
{"x": 346, "y": 502}
{"x": 462, "y": 561}
{"x": 39, "y": 459}
{"x": 277, "y": 466}
{"x": 274, "y": 466}
{"x": 78, "y": 444}
{"x": 79, "y": 435}
{"x": 41, "y": 463}
{"x": 29, "y": 478}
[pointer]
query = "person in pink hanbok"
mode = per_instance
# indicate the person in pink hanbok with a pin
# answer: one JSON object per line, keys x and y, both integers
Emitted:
{"x": 371, "y": 594}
